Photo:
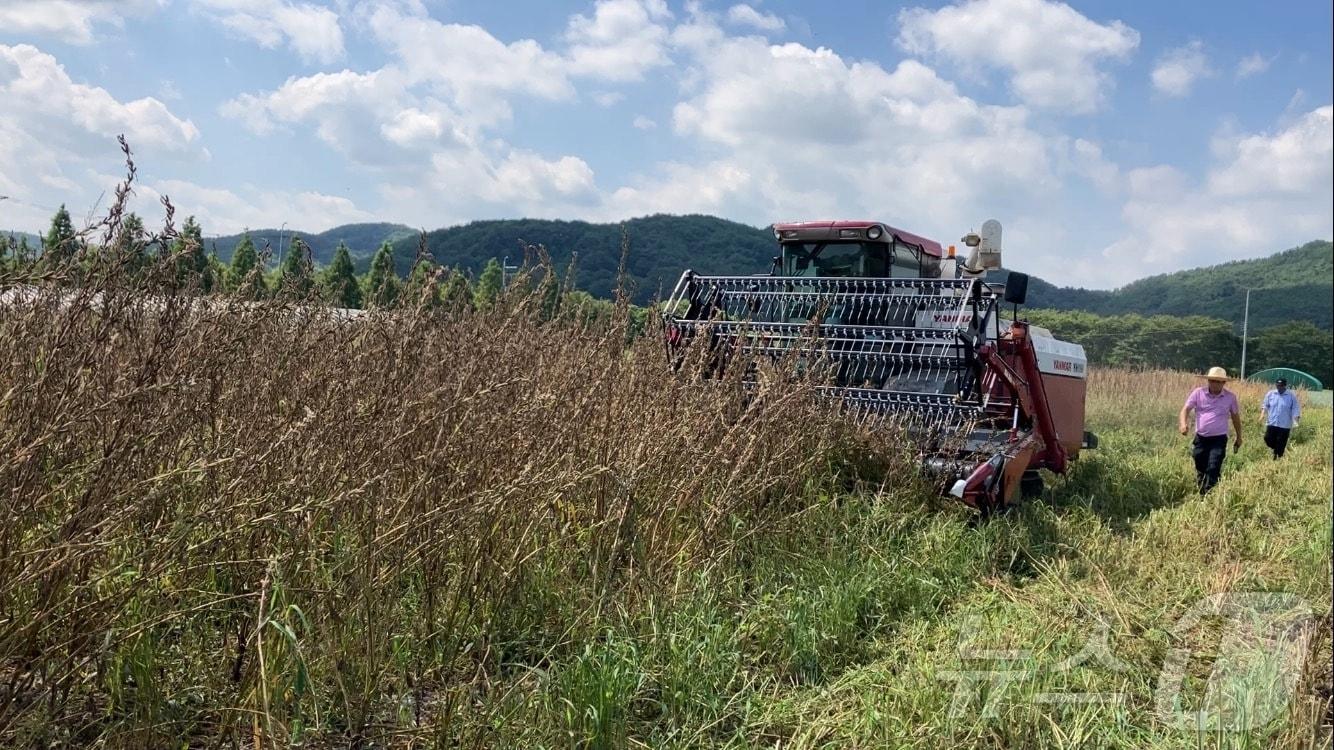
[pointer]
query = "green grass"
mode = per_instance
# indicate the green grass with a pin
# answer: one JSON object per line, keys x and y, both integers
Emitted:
{"x": 844, "y": 629}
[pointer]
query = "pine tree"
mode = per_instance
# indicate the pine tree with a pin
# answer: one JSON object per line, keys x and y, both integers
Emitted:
{"x": 215, "y": 273}
{"x": 456, "y": 293}
{"x": 382, "y": 286}
{"x": 423, "y": 285}
{"x": 489, "y": 285}
{"x": 244, "y": 276}
{"x": 188, "y": 251}
{"x": 130, "y": 245}
{"x": 60, "y": 243}
{"x": 295, "y": 276}
{"x": 338, "y": 283}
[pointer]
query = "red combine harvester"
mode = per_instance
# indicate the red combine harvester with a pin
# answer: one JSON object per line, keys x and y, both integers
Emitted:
{"x": 911, "y": 331}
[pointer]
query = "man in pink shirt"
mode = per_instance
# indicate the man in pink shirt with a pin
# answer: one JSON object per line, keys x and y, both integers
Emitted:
{"x": 1214, "y": 407}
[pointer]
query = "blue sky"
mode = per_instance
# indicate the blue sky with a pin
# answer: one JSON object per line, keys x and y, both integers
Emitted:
{"x": 1113, "y": 140}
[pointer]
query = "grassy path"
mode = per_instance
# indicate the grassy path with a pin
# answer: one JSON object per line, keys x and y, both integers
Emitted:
{"x": 889, "y": 620}
{"x": 1116, "y": 555}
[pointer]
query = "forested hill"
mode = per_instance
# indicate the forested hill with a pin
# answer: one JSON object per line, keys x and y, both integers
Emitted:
{"x": 1296, "y": 284}
{"x": 661, "y": 248}
{"x": 362, "y": 240}
{"x": 1291, "y": 285}
{"x": 33, "y": 240}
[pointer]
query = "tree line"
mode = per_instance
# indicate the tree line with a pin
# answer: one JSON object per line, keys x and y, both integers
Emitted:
{"x": 1191, "y": 342}
{"x": 298, "y": 278}
{"x": 1194, "y": 342}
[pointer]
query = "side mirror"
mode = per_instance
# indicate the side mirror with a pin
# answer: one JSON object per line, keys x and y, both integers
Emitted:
{"x": 776, "y": 265}
{"x": 1016, "y": 287}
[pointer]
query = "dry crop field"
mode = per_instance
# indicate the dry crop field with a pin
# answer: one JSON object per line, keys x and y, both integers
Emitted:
{"x": 255, "y": 525}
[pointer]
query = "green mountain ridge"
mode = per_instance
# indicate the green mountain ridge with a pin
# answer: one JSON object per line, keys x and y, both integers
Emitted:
{"x": 362, "y": 240}
{"x": 34, "y": 241}
{"x": 1295, "y": 284}
{"x": 1292, "y": 285}
{"x": 661, "y": 248}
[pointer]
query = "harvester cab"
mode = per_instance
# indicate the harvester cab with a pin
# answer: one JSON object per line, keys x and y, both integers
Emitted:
{"x": 907, "y": 330}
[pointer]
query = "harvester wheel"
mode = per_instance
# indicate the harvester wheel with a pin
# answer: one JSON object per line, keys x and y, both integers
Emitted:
{"x": 1030, "y": 484}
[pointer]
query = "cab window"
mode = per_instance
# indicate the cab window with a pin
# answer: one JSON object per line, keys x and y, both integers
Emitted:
{"x": 834, "y": 259}
{"x": 907, "y": 262}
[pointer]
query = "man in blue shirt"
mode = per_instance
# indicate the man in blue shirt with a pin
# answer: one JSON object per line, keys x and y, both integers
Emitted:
{"x": 1280, "y": 412}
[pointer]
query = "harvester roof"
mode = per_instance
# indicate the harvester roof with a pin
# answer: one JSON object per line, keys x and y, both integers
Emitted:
{"x": 816, "y": 229}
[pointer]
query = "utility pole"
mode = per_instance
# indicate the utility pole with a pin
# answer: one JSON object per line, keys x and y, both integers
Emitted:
{"x": 1245, "y": 321}
{"x": 505, "y": 270}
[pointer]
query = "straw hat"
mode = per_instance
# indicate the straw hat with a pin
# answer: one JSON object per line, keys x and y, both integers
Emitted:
{"x": 1216, "y": 373}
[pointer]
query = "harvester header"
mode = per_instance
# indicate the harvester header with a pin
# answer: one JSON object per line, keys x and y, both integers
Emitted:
{"x": 910, "y": 332}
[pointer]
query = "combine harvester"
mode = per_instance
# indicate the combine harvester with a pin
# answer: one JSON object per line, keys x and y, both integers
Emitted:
{"x": 910, "y": 332}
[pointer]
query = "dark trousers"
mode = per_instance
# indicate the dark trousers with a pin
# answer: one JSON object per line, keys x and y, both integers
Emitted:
{"x": 1277, "y": 439}
{"x": 1208, "y": 453}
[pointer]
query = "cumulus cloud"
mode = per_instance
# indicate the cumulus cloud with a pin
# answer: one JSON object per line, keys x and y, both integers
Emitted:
{"x": 1266, "y": 191}
{"x": 1050, "y": 51}
{"x": 789, "y": 131}
{"x": 1178, "y": 70}
{"x": 1293, "y": 161}
{"x": 73, "y": 21}
{"x": 1254, "y": 64}
{"x": 467, "y": 63}
{"x": 719, "y": 187}
{"x": 227, "y": 211}
{"x": 57, "y": 136}
{"x": 746, "y": 15}
{"x": 621, "y": 41}
{"x": 310, "y": 30}
{"x": 40, "y": 95}
{"x": 425, "y": 123}
{"x": 861, "y": 132}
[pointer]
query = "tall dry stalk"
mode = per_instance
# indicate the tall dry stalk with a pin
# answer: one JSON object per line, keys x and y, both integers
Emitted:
{"x": 249, "y": 521}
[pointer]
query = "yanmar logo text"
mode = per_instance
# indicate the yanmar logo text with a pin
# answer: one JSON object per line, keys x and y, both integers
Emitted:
{"x": 1066, "y": 365}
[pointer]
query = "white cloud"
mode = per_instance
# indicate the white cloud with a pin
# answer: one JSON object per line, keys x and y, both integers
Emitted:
{"x": 40, "y": 97}
{"x": 320, "y": 97}
{"x": 1089, "y": 160}
{"x": 1254, "y": 65}
{"x": 58, "y": 137}
{"x": 623, "y": 40}
{"x": 901, "y": 144}
{"x": 1294, "y": 161}
{"x": 1178, "y": 70}
{"x": 412, "y": 126}
{"x": 1051, "y": 52}
{"x": 312, "y": 31}
{"x": 431, "y": 130}
{"x": 424, "y": 124}
{"x": 527, "y": 178}
{"x": 73, "y": 21}
{"x": 466, "y": 63}
{"x": 745, "y": 15}
{"x": 225, "y": 211}
{"x": 1267, "y": 191}
{"x": 719, "y": 187}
